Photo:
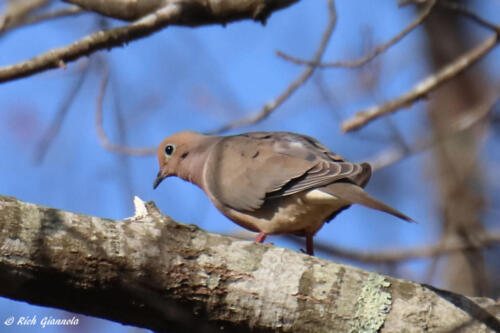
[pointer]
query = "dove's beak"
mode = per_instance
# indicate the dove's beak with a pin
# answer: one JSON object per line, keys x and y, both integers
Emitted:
{"x": 159, "y": 179}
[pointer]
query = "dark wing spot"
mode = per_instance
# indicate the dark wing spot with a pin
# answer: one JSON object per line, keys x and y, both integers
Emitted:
{"x": 256, "y": 154}
{"x": 312, "y": 142}
{"x": 185, "y": 155}
{"x": 311, "y": 157}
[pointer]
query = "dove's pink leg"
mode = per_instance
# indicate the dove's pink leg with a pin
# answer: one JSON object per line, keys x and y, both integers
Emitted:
{"x": 309, "y": 245}
{"x": 261, "y": 237}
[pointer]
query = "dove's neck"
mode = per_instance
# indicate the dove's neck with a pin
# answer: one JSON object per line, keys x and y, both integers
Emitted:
{"x": 193, "y": 164}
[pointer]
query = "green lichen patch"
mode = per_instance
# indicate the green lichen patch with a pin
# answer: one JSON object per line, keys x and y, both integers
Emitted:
{"x": 373, "y": 304}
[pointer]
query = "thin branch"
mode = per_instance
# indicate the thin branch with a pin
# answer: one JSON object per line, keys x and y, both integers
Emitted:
{"x": 399, "y": 255}
{"x": 462, "y": 10}
{"x": 272, "y": 105}
{"x": 34, "y": 19}
{"x": 395, "y": 154}
{"x": 43, "y": 146}
{"x": 124, "y": 172}
{"x": 423, "y": 88}
{"x": 89, "y": 44}
{"x": 18, "y": 10}
{"x": 101, "y": 134}
{"x": 26, "y": 20}
{"x": 186, "y": 13}
{"x": 375, "y": 52}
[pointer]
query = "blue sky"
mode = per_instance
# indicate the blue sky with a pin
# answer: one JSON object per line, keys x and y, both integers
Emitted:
{"x": 200, "y": 79}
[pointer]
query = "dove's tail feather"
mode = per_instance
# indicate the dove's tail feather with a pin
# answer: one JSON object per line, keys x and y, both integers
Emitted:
{"x": 355, "y": 194}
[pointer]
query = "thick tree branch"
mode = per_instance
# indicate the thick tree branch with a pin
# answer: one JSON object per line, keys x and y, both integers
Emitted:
{"x": 178, "y": 12}
{"x": 196, "y": 12}
{"x": 152, "y": 272}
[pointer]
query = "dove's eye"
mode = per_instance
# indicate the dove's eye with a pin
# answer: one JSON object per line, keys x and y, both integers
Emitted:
{"x": 169, "y": 150}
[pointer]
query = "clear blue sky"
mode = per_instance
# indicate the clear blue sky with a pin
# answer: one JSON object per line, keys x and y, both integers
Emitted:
{"x": 200, "y": 79}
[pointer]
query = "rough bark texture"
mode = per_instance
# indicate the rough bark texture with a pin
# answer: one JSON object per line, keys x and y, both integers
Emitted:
{"x": 155, "y": 273}
{"x": 194, "y": 12}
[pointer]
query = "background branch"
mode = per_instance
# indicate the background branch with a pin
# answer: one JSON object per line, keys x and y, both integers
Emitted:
{"x": 272, "y": 105}
{"x": 485, "y": 241}
{"x": 372, "y": 54}
{"x": 101, "y": 134}
{"x": 423, "y": 88}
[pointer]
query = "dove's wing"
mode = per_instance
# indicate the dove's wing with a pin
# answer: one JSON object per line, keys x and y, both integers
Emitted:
{"x": 243, "y": 170}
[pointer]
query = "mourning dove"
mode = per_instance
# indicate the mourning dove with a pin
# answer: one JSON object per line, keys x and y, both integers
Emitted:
{"x": 269, "y": 182}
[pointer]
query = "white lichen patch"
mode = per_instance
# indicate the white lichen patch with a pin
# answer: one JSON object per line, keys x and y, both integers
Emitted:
{"x": 14, "y": 248}
{"x": 373, "y": 304}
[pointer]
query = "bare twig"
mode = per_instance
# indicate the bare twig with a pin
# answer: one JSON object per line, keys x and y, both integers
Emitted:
{"x": 272, "y": 105}
{"x": 124, "y": 172}
{"x": 327, "y": 96}
{"x": 423, "y": 88}
{"x": 395, "y": 154}
{"x": 26, "y": 20}
{"x": 399, "y": 255}
{"x": 34, "y": 19}
{"x": 173, "y": 13}
{"x": 18, "y": 10}
{"x": 462, "y": 10}
{"x": 48, "y": 137}
{"x": 103, "y": 138}
{"x": 375, "y": 52}
{"x": 96, "y": 41}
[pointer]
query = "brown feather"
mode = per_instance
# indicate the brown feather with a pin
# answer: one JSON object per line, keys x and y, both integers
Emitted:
{"x": 355, "y": 194}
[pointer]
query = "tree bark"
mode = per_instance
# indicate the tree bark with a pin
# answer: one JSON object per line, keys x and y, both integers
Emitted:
{"x": 194, "y": 12}
{"x": 152, "y": 272}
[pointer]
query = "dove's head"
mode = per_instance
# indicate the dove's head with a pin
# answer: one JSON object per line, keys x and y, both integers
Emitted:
{"x": 177, "y": 156}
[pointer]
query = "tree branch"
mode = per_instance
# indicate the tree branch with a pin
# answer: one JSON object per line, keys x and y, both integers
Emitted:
{"x": 372, "y": 54}
{"x": 151, "y": 272}
{"x": 101, "y": 134}
{"x": 272, "y": 105}
{"x": 41, "y": 17}
{"x": 423, "y": 88}
{"x": 448, "y": 72}
{"x": 486, "y": 240}
{"x": 179, "y": 12}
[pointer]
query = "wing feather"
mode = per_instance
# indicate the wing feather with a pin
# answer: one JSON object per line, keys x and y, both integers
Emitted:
{"x": 244, "y": 170}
